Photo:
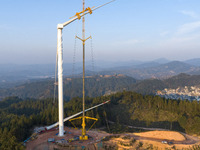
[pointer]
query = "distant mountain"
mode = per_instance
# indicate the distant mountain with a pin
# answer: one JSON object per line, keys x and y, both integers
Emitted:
{"x": 13, "y": 75}
{"x": 195, "y": 62}
{"x": 162, "y": 60}
{"x": 148, "y": 65}
{"x": 174, "y": 67}
{"x": 159, "y": 71}
{"x": 132, "y": 64}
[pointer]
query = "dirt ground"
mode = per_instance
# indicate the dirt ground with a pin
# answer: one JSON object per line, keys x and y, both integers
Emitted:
{"x": 41, "y": 142}
{"x": 144, "y": 140}
{"x": 168, "y": 135}
{"x": 153, "y": 140}
{"x": 179, "y": 140}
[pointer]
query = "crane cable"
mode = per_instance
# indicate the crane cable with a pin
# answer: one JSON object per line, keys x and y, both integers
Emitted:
{"x": 91, "y": 46}
{"x": 73, "y": 66}
{"x": 74, "y": 58}
{"x": 92, "y": 55}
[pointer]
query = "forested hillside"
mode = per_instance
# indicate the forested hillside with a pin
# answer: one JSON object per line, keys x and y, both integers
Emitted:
{"x": 150, "y": 86}
{"x": 18, "y": 117}
{"x": 152, "y": 111}
{"x": 97, "y": 86}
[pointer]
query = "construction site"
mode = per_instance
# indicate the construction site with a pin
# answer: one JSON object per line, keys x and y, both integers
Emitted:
{"x": 50, "y": 140}
{"x": 100, "y": 140}
{"x": 59, "y": 137}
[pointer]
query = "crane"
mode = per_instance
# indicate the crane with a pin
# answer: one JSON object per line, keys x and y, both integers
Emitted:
{"x": 60, "y": 62}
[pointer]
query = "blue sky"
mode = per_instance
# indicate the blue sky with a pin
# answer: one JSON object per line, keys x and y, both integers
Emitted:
{"x": 123, "y": 30}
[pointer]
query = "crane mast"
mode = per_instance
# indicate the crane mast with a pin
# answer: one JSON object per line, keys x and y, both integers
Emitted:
{"x": 83, "y": 39}
{"x": 84, "y": 136}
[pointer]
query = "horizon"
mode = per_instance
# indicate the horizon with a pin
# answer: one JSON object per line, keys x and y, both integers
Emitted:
{"x": 107, "y": 61}
{"x": 96, "y": 60}
{"x": 122, "y": 31}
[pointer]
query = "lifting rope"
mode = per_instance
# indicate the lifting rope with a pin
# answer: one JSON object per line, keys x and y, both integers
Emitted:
{"x": 74, "y": 58}
{"x": 73, "y": 65}
{"x": 92, "y": 54}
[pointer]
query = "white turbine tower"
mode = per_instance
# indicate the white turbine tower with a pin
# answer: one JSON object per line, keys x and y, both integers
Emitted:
{"x": 60, "y": 64}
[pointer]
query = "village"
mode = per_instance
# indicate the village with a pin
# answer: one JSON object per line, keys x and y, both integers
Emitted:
{"x": 187, "y": 92}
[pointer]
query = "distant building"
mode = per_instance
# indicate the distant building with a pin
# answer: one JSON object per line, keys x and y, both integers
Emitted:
{"x": 187, "y": 92}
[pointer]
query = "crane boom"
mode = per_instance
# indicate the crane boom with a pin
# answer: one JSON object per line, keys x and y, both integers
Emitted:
{"x": 75, "y": 18}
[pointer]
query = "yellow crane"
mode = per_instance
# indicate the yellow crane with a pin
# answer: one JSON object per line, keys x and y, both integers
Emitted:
{"x": 83, "y": 39}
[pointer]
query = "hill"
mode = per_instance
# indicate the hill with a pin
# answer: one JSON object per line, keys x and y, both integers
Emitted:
{"x": 94, "y": 85}
{"x": 153, "y": 111}
{"x": 150, "y": 86}
{"x": 18, "y": 116}
{"x": 99, "y": 85}
{"x": 194, "y": 61}
{"x": 182, "y": 80}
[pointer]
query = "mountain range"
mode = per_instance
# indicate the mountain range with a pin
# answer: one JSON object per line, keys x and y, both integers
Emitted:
{"x": 156, "y": 70}
{"x": 14, "y": 75}
{"x": 98, "y": 86}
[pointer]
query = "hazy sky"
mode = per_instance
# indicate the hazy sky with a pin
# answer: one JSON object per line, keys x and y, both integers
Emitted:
{"x": 123, "y": 30}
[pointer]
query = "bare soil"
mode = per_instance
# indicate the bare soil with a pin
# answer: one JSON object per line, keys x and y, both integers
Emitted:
{"x": 41, "y": 143}
{"x": 165, "y": 135}
{"x": 144, "y": 140}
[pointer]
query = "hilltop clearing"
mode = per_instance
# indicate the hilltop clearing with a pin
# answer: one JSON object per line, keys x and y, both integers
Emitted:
{"x": 98, "y": 139}
{"x": 168, "y": 135}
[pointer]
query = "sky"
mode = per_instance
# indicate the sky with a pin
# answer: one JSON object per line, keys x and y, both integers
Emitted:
{"x": 123, "y": 30}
